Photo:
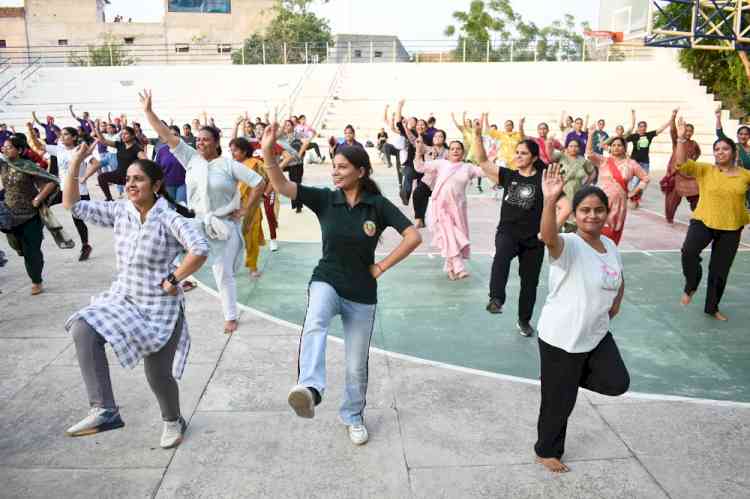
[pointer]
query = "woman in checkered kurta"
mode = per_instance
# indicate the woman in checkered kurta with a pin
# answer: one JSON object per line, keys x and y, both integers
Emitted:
{"x": 136, "y": 317}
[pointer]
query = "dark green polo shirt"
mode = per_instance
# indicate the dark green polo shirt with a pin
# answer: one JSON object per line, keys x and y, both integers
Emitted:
{"x": 350, "y": 236}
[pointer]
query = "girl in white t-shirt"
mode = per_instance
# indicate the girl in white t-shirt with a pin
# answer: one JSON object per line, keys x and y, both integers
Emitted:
{"x": 586, "y": 287}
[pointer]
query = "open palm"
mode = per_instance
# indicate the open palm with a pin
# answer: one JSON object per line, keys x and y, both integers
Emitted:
{"x": 552, "y": 182}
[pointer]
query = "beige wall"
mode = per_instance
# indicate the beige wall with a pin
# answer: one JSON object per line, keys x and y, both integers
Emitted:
{"x": 12, "y": 29}
{"x": 247, "y": 17}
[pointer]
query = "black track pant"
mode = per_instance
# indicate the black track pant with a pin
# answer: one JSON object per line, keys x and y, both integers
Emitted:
{"x": 421, "y": 197}
{"x": 530, "y": 253}
{"x": 116, "y": 177}
{"x": 724, "y": 244}
{"x": 295, "y": 175}
{"x": 600, "y": 370}
{"x": 83, "y": 231}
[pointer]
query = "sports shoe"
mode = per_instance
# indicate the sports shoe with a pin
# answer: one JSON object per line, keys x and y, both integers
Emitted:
{"x": 495, "y": 306}
{"x": 358, "y": 434}
{"x": 302, "y": 400}
{"x": 97, "y": 421}
{"x": 172, "y": 434}
{"x": 85, "y": 253}
{"x": 274, "y": 245}
{"x": 525, "y": 328}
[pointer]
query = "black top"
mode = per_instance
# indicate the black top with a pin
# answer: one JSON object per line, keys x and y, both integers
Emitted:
{"x": 350, "y": 236}
{"x": 125, "y": 155}
{"x": 641, "y": 146}
{"x": 523, "y": 201}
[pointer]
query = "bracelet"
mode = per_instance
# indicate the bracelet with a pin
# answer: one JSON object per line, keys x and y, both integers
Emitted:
{"x": 681, "y": 140}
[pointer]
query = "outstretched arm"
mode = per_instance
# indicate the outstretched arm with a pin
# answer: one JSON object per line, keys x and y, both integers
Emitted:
{"x": 632, "y": 123}
{"x": 35, "y": 143}
{"x": 456, "y": 123}
{"x": 160, "y": 128}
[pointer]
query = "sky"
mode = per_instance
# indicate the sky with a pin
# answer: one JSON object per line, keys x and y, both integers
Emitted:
{"x": 408, "y": 19}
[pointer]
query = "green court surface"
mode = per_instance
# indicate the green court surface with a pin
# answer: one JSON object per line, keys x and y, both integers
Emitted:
{"x": 669, "y": 349}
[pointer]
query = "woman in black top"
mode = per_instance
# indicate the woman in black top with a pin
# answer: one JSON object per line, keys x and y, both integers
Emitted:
{"x": 128, "y": 150}
{"x": 517, "y": 232}
{"x": 352, "y": 218}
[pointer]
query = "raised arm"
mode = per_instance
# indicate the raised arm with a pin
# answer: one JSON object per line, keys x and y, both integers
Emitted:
{"x": 399, "y": 110}
{"x": 36, "y": 120}
{"x": 71, "y": 193}
{"x": 455, "y": 122}
{"x": 235, "y": 130}
{"x": 673, "y": 130}
{"x": 563, "y": 120}
{"x": 552, "y": 188}
{"x": 491, "y": 171}
{"x": 394, "y": 128}
{"x": 719, "y": 126}
{"x": 485, "y": 123}
{"x": 521, "y": 123}
{"x": 586, "y": 123}
{"x": 385, "y": 114}
{"x": 668, "y": 123}
{"x": 681, "y": 152}
{"x": 72, "y": 113}
{"x": 280, "y": 183}
{"x": 590, "y": 143}
{"x": 35, "y": 143}
{"x": 632, "y": 123}
{"x": 160, "y": 128}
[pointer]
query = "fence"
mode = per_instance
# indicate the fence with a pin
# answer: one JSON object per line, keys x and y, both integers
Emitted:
{"x": 360, "y": 51}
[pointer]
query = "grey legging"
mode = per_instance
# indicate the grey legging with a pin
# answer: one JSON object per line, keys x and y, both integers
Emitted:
{"x": 95, "y": 370}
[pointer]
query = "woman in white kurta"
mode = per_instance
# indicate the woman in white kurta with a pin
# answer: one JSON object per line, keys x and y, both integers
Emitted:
{"x": 213, "y": 193}
{"x": 447, "y": 217}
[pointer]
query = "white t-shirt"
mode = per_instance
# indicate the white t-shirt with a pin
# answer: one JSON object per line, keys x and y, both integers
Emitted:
{"x": 64, "y": 157}
{"x": 112, "y": 137}
{"x": 583, "y": 284}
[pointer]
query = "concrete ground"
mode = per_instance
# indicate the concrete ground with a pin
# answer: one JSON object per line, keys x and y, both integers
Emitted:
{"x": 436, "y": 431}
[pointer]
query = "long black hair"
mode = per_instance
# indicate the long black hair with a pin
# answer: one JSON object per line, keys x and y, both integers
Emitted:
{"x": 533, "y": 148}
{"x": 590, "y": 190}
{"x": 358, "y": 157}
{"x": 154, "y": 172}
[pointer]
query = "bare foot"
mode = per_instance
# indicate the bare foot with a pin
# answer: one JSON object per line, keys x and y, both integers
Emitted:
{"x": 451, "y": 275}
{"x": 552, "y": 464}
{"x": 419, "y": 223}
{"x": 462, "y": 275}
{"x": 719, "y": 316}
{"x": 230, "y": 327}
{"x": 687, "y": 298}
{"x": 255, "y": 274}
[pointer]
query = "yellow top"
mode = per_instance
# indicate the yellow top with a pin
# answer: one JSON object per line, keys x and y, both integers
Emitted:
{"x": 722, "y": 197}
{"x": 508, "y": 143}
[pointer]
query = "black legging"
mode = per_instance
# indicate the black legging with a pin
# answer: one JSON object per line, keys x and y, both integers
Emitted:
{"x": 295, "y": 175}
{"x": 83, "y": 230}
{"x": 530, "y": 253}
{"x": 115, "y": 177}
{"x": 28, "y": 242}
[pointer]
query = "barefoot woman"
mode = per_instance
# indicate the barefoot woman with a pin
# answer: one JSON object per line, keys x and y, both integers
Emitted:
{"x": 586, "y": 286}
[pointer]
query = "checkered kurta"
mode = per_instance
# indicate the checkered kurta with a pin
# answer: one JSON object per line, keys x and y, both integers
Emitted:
{"x": 136, "y": 317}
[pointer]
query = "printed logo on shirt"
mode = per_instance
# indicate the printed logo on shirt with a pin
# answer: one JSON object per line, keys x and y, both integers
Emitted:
{"x": 643, "y": 142}
{"x": 610, "y": 278}
{"x": 370, "y": 228}
{"x": 521, "y": 195}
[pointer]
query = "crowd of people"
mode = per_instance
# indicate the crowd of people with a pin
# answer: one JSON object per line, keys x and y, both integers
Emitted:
{"x": 189, "y": 204}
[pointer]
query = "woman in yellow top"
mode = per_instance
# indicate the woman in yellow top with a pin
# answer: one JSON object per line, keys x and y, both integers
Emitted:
{"x": 508, "y": 139}
{"x": 718, "y": 220}
{"x": 252, "y": 225}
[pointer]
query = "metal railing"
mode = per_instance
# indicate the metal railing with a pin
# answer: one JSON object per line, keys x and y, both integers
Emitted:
{"x": 360, "y": 51}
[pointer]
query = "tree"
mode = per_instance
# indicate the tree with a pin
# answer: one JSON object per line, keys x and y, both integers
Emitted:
{"x": 496, "y": 18}
{"x": 293, "y": 27}
{"x": 109, "y": 53}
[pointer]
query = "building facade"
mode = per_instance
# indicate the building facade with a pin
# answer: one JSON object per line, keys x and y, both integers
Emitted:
{"x": 190, "y": 30}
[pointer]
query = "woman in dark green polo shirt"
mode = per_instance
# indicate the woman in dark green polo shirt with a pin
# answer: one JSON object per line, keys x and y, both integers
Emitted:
{"x": 352, "y": 217}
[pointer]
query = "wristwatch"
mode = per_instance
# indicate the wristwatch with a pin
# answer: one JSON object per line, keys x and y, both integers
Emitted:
{"x": 171, "y": 279}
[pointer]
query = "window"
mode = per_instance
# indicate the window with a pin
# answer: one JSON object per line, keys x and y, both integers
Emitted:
{"x": 224, "y": 48}
{"x": 62, "y": 42}
{"x": 3, "y": 44}
{"x": 182, "y": 47}
{"x": 129, "y": 40}
{"x": 378, "y": 54}
{"x": 357, "y": 54}
{"x": 200, "y": 6}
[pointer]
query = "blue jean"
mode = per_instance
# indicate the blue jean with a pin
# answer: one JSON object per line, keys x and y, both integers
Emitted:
{"x": 635, "y": 180}
{"x": 324, "y": 304}
{"x": 178, "y": 193}
{"x": 109, "y": 164}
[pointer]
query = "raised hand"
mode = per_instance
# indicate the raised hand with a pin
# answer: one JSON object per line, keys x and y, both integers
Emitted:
{"x": 552, "y": 182}
{"x": 592, "y": 128}
{"x": 145, "y": 98}
{"x": 477, "y": 125}
{"x": 681, "y": 128}
{"x": 269, "y": 136}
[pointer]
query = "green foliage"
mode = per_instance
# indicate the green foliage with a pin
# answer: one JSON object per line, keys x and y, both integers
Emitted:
{"x": 294, "y": 25}
{"x": 497, "y": 19}
{"x": 107, "y": 54}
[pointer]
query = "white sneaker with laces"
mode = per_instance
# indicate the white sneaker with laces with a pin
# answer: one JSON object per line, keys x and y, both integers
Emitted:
{"x": 171, "y": 435}
{"x": 98, "y": 420}
{"x": 358, "y": 434}
{"x": 274, "y": 245}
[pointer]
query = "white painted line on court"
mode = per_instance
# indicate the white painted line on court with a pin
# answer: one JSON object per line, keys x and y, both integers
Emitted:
{"x": 683, "y": 222}
{"x": 478, "y": 372}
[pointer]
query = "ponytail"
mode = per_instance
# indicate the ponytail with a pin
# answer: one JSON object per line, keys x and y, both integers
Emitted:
{"x": 154, "y": 172}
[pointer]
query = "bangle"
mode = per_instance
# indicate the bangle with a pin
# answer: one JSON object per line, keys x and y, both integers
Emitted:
{"x": 681, "y": 140}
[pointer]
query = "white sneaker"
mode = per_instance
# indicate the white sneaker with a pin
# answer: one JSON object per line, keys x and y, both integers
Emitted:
{"x": 302, "y": 400}
{"x": 358, "y": 434}
{"x": 274, "y": 245}
{"x": 172, "y": 434}
{"x": 97, "y": 421}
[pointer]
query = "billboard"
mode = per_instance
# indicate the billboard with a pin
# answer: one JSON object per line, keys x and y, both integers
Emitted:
{"x": 205, "y": 6}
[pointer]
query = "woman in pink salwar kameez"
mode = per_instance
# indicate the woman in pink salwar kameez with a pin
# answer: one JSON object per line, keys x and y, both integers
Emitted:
{"x": 615, "y": 172}
{"x": 447, "y": 218}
